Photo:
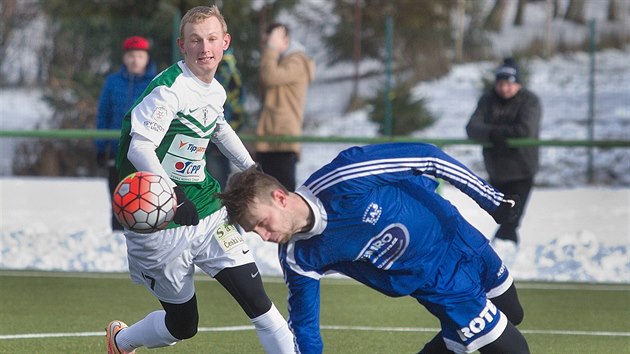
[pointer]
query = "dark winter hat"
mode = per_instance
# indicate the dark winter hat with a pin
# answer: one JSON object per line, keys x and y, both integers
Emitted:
{"x": 508, "y": 71}
{"x": 136, "y": 43}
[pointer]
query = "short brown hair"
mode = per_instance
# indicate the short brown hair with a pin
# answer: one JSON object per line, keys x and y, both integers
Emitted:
{"x": 200, "y": 13}
{"x": 245, "y": 186}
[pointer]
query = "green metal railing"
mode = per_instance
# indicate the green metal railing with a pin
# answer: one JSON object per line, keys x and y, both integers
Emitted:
{"x": 115, "y": 134}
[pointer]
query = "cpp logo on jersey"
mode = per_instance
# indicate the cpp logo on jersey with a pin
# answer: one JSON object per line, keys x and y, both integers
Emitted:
{"x": 384, "y": 249}
{"x": 372, "y": 214}
{"x": 188, "y": 167}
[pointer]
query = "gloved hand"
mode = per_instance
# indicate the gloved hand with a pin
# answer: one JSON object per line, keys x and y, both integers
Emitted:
{"x": 508, "y": 210}
{"x": 186, "y": 213}
{"x": 498, "y": 139}
{"x": 101, "y": 159}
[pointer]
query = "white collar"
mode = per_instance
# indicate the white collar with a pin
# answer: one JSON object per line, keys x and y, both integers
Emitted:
{"x": 319, "y": 214}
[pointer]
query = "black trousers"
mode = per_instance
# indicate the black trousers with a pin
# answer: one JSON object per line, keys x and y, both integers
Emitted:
{"x": 280, "y": 165}
{"x": 522, "y": 188}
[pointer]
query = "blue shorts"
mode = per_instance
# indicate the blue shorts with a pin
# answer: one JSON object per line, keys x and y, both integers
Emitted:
{"x": 460, "y": 294}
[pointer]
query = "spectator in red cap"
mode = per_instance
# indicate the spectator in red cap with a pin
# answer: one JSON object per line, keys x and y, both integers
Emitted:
{"x": 136, "y": 43}
{"x": 117, "y": 96}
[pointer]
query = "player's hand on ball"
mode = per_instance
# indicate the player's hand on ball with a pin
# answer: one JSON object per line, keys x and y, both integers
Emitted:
{"x": 508, "y": 210}
{"x": 186, "y": 213}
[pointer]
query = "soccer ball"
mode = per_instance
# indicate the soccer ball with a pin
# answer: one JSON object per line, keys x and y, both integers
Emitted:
{"x": 144, "y": 202}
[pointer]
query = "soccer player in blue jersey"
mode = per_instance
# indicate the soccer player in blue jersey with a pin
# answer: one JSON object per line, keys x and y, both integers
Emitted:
{"x": 373, "y": 214}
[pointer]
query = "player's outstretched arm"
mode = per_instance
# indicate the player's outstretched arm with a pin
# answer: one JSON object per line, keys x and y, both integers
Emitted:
{"x": 303, "y": 303}
{"x": 367, "y": 167}
{"x": 508, "y": 210}
{"x": 231, "y": 145}
{"x": 429, "y": 160}
{"x": 441, "y": 165}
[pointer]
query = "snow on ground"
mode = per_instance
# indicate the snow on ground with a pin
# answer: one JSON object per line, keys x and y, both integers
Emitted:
{"x": 579, "y": 234}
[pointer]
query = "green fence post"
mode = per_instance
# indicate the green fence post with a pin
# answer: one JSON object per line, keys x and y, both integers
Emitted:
{"x": 174, "y": 48}
{"x": 591, "y": 101}
{"x": 387, "y": 108}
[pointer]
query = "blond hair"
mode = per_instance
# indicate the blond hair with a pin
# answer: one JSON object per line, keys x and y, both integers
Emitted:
{"x": 199, "y": 14}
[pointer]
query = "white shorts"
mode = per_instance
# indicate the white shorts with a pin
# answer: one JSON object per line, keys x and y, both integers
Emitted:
{"x": 165, "y": 261}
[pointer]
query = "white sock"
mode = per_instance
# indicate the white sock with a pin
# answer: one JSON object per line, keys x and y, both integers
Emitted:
{"x": 150, "y": 332}
{"x": 274, "y": 333}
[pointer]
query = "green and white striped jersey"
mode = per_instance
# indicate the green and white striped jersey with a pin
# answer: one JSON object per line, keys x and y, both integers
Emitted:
{"x": 178, "y": 113}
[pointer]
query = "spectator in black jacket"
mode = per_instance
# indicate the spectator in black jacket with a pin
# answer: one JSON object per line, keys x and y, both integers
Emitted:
{"x": 507, "y": 111}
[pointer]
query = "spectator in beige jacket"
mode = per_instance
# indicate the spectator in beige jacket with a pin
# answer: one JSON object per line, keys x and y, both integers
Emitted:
{"x": 285, "y": 73}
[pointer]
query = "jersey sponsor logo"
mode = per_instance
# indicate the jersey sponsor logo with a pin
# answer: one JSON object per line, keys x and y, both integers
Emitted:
{"x": 188, "y": 147}
{"x": 187, "y": 167}
{"x": 501, "y": 270}
{"x": 228, "y": 237}
{"x": 384, "y": 249}
{"x": 182, "y": 170}
{"x": 372, "y": 214}
{"x": 479, "y": 323}
{"x": 191, "y": 147}
{"x": 156, "y": 127}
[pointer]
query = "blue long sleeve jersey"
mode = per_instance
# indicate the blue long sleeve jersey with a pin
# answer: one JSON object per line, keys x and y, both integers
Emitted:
{"x": 378, "y": 220}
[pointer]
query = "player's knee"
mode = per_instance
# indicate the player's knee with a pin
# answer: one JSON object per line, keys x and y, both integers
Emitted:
{"x": 517, "y": 317}
{"x": 182, "y": 319}
{"x": 182, "y": 328}
{"x": 255, "y": 302}
{"x": 515, "y": 314}
{"x": 259, "y": 306}
{"x": 509, "y": 304}
{"x": 186, "y": 332}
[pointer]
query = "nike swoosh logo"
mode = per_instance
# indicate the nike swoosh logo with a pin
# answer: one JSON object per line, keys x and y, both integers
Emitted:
{"x": 180, "y": 204}
{"x": 194, "y": 110}
{"x": 245, "y": 251}
{"x": 254, "y": 275}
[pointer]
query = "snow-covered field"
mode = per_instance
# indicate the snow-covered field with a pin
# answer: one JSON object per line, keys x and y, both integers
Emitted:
{"x": 578, "y": 234}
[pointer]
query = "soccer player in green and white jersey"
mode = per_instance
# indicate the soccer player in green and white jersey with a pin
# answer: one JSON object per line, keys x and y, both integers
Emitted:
{"x": 167, "y": 132}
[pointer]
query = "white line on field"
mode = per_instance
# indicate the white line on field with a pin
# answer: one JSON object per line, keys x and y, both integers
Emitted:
{"x": 343, "y": 328}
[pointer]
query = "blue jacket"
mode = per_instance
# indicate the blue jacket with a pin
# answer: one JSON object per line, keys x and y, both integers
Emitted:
{"x": 379, "y": 221}
{"x": 118, "y": 95}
